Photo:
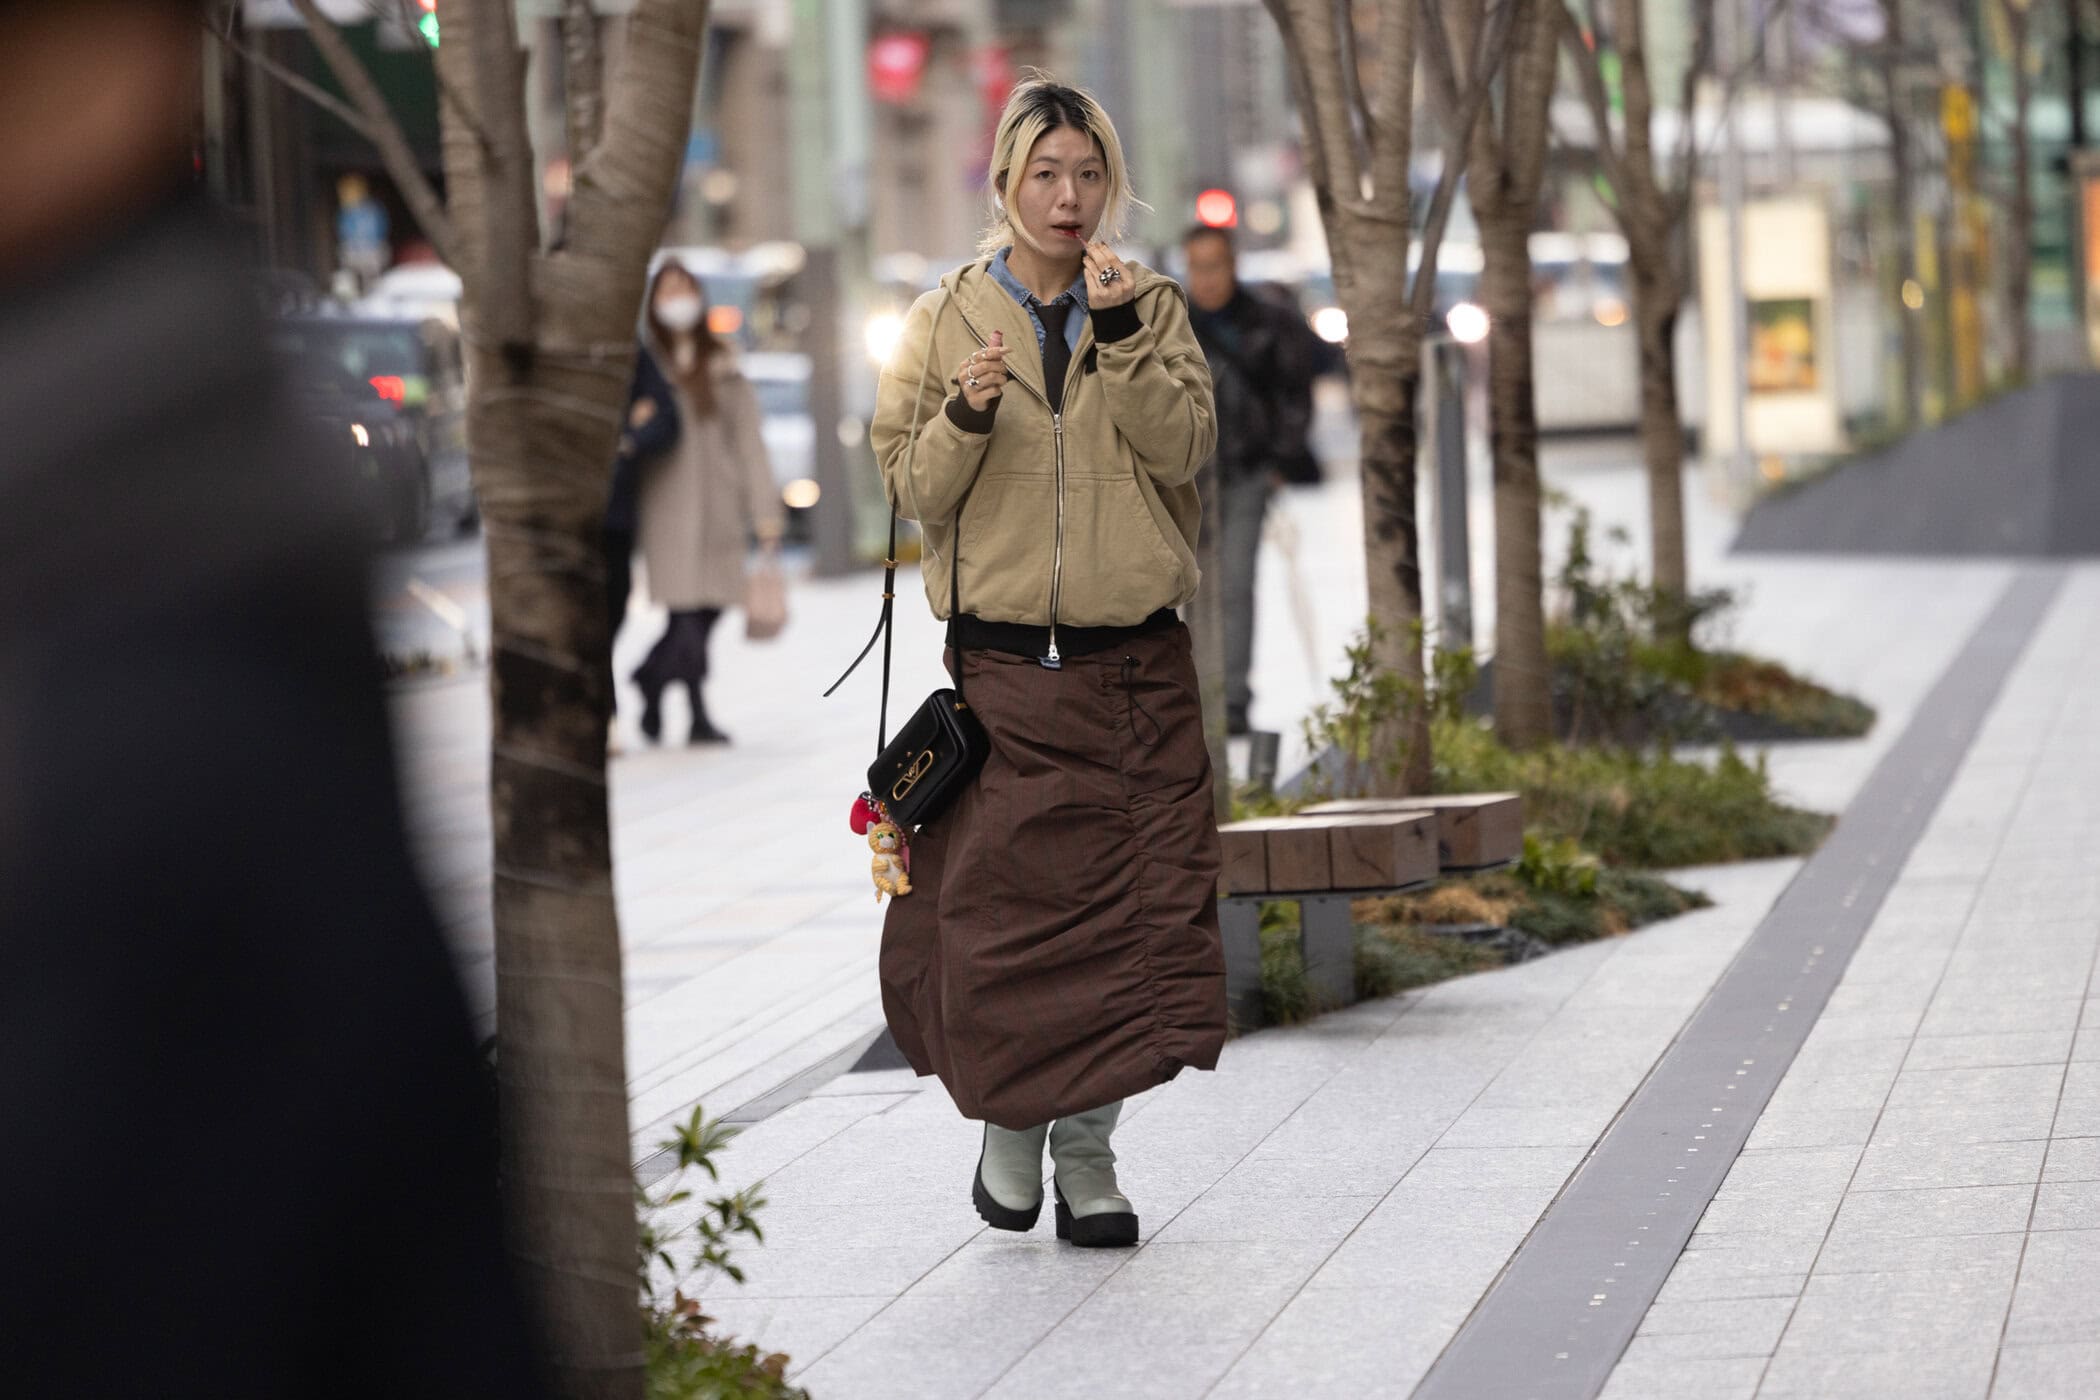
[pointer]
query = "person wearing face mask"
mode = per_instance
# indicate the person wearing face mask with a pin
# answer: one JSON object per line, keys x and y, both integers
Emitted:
{"x": 1043, "y": 419}
{"x": 694, "y": 461}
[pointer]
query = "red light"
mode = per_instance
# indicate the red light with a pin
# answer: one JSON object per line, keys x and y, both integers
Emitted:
{"x": 391, "y": 387}
{"x": 1218, "y": 209}
{"x": 430, "y": 7}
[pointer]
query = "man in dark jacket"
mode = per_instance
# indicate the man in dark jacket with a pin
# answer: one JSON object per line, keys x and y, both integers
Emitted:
{"x": 246, "y": 1148}
{"x": 1261, "y": 377}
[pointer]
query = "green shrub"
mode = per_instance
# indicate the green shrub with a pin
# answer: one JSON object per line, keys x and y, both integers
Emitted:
{"x": 1644, "y": 809}
{"x": 1394, "y": 960}
{"x": 687, "y": 1361}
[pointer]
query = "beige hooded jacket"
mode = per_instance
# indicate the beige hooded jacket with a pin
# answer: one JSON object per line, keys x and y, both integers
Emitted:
{"x": 1086, "y": 516}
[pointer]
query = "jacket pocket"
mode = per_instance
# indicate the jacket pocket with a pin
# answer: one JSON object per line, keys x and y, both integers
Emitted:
{"x": 1118, "y": 567}
{"x": 1008, "y": 544}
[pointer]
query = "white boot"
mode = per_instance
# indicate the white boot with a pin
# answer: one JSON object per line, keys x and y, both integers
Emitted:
{"x": 1091, "y": 1211}
{"x": 1009, "y": 1186}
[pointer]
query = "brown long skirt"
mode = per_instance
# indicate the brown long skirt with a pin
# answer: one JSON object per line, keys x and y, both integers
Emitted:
{"x": 1060, "y": 948}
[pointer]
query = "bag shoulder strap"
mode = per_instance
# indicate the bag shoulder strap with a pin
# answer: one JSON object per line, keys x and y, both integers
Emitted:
{"x": 885, "y": 625}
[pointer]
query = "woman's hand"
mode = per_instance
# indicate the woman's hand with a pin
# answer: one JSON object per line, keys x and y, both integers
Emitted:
{"x": 982, "y": 377}
{"x": 1120, "y": 287}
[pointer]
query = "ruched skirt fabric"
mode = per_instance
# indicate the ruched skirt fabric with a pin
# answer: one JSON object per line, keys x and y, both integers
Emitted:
{"x": 1060, "y": 948}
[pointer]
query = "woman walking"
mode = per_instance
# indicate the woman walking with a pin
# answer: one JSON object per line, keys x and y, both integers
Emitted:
{"x": 702, "y": 495}
{"x": 1043, "y": 420}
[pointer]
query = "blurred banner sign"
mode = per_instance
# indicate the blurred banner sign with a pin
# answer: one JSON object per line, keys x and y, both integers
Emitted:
{"x": 1792, "y": 399}
{"x": 2085, "y": 172}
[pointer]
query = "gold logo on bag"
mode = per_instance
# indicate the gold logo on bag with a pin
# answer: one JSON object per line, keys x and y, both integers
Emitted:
{"x": 911, "y": 779}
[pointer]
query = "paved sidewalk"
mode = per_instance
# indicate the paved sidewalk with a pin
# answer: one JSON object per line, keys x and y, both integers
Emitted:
{"x": 1324, "y": 1213}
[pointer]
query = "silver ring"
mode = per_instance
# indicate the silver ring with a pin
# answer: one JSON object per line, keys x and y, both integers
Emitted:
{"x": 1110, "y": 274}
{"x": 972, "y": 381}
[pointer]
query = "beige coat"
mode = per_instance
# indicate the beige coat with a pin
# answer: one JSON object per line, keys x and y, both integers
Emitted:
{"x": 1094, "y": 526}
{"x": 703, "y": 498}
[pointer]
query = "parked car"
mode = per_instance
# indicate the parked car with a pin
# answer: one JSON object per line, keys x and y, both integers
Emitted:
{"x": 781, "y": 379}
{"x": 397, "y": 382}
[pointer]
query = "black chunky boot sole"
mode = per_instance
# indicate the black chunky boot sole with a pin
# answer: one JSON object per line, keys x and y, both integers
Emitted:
{"x": 1118, "y": 1230}
{"x": 1002, "y": 1217}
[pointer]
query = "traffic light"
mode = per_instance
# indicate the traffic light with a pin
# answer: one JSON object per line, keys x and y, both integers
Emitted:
{"x": 1217, "y": 209}
{"x": 427, "y": 24}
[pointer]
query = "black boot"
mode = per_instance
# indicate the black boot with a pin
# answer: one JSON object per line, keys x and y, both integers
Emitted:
{"x": 652, "y": 721}
{"x": 703, "y": 731}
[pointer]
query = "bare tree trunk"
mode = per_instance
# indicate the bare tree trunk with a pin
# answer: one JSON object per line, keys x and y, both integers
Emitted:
{"x": 1357, "y": 146}
{"x": 1523, "y": 676}
{"x": 2019, "y": 253}
{"x": 1504, "y": 179}
{"x": 1657, "y": 296}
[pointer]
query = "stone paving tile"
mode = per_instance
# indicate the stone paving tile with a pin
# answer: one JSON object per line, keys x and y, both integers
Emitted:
{"x": 804, "y": 1328}
{"x": 1712, "y": 1329}
{"x": 1930, "y": 1213}
{"x": 2068, "y": 1205}
{"x": 2052, "y": 1371}
{"x": 2058, "y": 1297}
{"x": 890, "y": 1358}
{"x": 2073, "y": 1159}
{"x": 1960, "y": 1013}
{"x": 1169, "y": 1323}
{"x": 2079, "y": 1113}
{"x": 1923, "y": 1253}
{"x": 1810, "y": 1372}
{"x": 1873, "y": 1312}
{"x": 1981, "y": 1051}
{"x": 1899, "y": 1165}
{"x": 1788, "y": 1192}
{"x": 1814, "y": 1127}
{"x": 1308, "y": 1220}
{"x": 1365, "y": 1342}
{"x": 1642, "y": 1376}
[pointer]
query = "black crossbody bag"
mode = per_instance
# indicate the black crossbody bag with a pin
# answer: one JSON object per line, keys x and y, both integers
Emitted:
{"x": 939, "y": 750}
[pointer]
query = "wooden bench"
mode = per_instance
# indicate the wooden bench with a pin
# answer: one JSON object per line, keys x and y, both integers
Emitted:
{"x": 1474, "y": 830}
{"x": 1327, "y": 857}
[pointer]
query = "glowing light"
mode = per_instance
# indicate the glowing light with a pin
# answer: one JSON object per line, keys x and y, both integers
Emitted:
{"x": 724, "y": 320}
{"x": 881, "y": 334}
{"x": 801, "y": 493}
{"x": 1218, "y": 209}
{"x": 427, "y": 23}
{"x": 1468, "y": 323}
{"x": 1331, "y": 324}
{"x": 1610, "y": 312}
{"x": 391, "y": 387}
{"x": 359, "y": 435}
{"x": 1913, "y": 294}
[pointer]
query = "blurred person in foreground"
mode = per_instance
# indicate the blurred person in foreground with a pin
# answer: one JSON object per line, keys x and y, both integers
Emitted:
{"x": 1261, "y": 370}
{"x": 246, "y": 1147}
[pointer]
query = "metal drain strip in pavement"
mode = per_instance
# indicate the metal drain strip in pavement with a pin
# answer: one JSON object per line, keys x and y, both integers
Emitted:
{"x": 1556, "y": 1322}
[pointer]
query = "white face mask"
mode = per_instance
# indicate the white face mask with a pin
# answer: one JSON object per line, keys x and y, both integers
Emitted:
{"x": 680, "y": 313}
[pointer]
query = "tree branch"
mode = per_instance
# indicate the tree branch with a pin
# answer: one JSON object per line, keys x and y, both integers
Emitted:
{"x": 1315, "y": 49}
{"x": 1362, "y": 123}
{"x": 1486, "y": 66}
{"x": 1392, "y": 133}
{"x": 583, "y": 78}
{"x": 618, "y": 207}
{"x": 1591, "y": 79}
{"x": 313, "y": 92}
{"x": 384, "y": 132}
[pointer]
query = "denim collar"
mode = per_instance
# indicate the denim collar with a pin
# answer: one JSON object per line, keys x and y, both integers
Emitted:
{"x": 1004, "y": 276}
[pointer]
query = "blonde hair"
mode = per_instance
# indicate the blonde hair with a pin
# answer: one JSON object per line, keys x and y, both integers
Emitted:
{"x": 1038, "y": 106}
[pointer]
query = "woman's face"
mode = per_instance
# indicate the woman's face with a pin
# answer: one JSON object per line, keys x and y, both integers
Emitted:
{"x": 677, "y": 301}
{"x": 1057, "y": 198}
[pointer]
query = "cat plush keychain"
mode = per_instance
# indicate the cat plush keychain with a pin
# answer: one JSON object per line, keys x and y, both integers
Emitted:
{"x": 892, "y": 864}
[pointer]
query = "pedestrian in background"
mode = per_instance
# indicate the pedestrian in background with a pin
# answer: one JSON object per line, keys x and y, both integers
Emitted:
{"x": 703, "y": 495}
{"x": 650, "y": 428}
{"x": 233, "y": 1053}
{"x": 1044, "y": 418}
{"x": 1261, "y": 368}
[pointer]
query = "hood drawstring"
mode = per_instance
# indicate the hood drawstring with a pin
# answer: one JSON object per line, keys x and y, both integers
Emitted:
{"x": 1133, "y": 707}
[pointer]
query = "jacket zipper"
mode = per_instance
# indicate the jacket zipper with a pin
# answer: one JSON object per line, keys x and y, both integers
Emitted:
{"x": 1050, "y": 660}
